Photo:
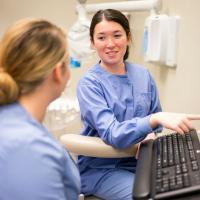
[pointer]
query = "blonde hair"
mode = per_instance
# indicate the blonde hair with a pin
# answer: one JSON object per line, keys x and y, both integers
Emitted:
{"x": 29, "y": 50}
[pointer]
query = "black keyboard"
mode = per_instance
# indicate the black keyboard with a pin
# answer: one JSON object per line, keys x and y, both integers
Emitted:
{"x": 169, "y": 168}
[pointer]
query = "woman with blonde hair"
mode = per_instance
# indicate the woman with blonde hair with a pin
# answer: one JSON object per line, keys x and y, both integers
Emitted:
{"x": 33, "y": 72}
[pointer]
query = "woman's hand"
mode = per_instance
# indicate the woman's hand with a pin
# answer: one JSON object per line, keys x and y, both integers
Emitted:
{"x": 178, "y": 122}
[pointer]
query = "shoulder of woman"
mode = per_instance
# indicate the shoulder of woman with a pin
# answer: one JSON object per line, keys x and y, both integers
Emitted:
{"x": 91, "y": 77}
{"x": 136, "y": 68}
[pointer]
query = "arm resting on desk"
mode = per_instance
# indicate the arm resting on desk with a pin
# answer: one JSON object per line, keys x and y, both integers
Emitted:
{"x": 94, "y": 147}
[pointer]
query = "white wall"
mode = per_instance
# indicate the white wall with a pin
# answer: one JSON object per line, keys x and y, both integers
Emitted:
{"x": 58, "y": 11}
{"x": 179, "y": 87}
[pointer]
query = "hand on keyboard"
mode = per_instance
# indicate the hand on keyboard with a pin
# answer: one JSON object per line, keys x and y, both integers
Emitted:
{"x": 178, "y": 122}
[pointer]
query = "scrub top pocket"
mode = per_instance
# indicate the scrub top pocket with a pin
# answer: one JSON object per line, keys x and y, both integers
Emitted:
{"x": 142, "y": 104}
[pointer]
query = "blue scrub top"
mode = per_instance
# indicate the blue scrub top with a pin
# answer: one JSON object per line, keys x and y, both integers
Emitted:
{"x": 117, "y": 109}
{"x": 33, "y": 165}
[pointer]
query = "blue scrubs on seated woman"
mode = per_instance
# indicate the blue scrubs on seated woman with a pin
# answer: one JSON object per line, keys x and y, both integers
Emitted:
{"x": 33, "y": 164}
{"x": 121, "y": 107}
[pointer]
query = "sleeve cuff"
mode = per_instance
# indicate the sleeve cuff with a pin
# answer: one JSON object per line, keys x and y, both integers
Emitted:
{"x": 144, "y": 125}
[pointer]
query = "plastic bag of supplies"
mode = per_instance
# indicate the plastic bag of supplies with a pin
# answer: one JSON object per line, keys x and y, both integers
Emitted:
{"x": 79, "y": 38}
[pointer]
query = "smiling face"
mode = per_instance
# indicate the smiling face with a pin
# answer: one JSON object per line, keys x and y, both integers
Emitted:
{"x": 110, "y": 41}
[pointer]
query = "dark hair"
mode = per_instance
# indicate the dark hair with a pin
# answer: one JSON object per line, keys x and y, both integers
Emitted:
{"x": 111, "y": 15}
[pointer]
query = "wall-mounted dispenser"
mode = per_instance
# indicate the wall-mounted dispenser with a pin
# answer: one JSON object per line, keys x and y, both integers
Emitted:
{"x": 160, "y": 39}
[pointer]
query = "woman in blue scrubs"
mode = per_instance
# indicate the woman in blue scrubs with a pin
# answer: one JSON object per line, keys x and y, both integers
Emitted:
{"x": 119, "y": 103}
{"x": 33, "y": 72}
